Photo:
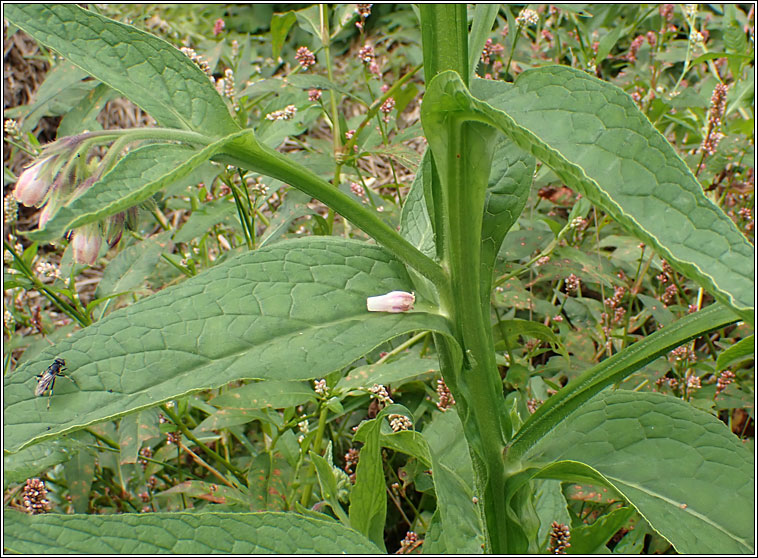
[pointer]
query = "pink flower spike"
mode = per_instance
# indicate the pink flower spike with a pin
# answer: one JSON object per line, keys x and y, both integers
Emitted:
{"x": 218, "y": 26}
{"x": 395, "y": 301}
{"x": 32, "y": 186}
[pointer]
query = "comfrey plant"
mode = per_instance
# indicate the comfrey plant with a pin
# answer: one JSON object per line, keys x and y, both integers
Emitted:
{"x": 301, "y": 309}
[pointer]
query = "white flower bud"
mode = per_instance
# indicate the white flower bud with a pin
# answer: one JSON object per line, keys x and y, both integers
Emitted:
{"x": 395, "y": 301}
{"x": 86, "y": 245}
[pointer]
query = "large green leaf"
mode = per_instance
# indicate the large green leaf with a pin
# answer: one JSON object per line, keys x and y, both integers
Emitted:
{"x": 156, "y": 76}
{"x": 507, "y": 191}
{"x": 612, "y": 370}
{"x": 293, "y": 311}
{"x": 132, "y": 266}
{"x": 415, "y": 224}
{"x": 685, "y": 472}
{"x": 396, "y": 372}
{"x": 180, "y": 533}
{"x": 596, "y": 140}
{"x": 27, "y": 463}
{"x": 453, "y": 474}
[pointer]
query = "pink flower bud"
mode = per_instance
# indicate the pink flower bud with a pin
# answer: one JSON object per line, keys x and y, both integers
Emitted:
{"x": 86, "y": 245}
{"x": 33, "y": 184}
{"x": 395, "y": 301}
{"x": 45, "y": 214}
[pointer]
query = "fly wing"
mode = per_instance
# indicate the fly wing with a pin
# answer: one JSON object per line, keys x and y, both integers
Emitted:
{"x": 43, "y": 384}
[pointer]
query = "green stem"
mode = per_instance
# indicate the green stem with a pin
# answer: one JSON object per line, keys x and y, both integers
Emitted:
{"x": 373, "y": 109}
{"x": 461, "y": 155}
{"x": 277, "y": 165}
{"x": 208, "y": 451}
{"x": 62, "y": 305}
{"x": 241, "y": 214}
{"x": 323, "y": 412}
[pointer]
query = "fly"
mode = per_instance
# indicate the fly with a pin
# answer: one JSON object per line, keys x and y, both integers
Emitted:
{"x": 46, "y": 380}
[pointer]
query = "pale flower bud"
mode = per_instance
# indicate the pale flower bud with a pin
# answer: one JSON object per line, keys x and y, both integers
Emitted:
{"x": 395, "y": 301}
{"x": 86, "y": 245}
{"x": 46, "y": 213}
{"x": 33, "y": 185}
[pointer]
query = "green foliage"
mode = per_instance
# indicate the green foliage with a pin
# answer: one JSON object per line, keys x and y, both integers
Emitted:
{"x": 179, "y": 533}
{"x": 226, "y": 361}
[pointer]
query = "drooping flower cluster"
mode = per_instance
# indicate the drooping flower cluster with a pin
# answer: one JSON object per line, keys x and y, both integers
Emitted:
{"x": 53, "y": 180}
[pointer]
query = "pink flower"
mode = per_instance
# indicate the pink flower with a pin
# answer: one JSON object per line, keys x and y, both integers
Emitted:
{"x": 395, "y": 301}
{"x": 46, "y": 213}
{"x": 218, "y": 26}
{"x": 86, "y": 245}
{"x": 33, "y": 184}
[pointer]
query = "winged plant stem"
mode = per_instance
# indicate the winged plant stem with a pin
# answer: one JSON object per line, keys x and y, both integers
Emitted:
{"x": 462, "y": 158}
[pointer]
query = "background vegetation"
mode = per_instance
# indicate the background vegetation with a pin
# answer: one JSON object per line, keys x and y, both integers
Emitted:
{"x": 588, "y": 288}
